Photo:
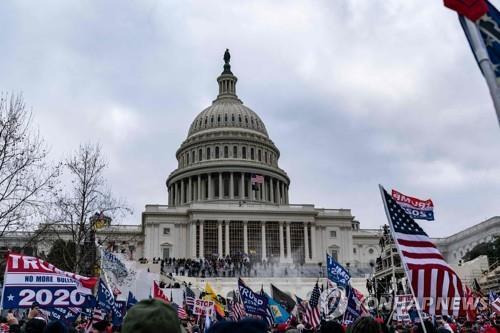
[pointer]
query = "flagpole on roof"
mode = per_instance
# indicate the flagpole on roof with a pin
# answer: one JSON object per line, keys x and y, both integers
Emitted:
{"x": 484, "y": 62}
{"x": 393, "y": 234}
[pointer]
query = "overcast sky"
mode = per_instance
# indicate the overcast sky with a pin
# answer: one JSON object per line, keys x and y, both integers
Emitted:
{"x": 354, "y": 93}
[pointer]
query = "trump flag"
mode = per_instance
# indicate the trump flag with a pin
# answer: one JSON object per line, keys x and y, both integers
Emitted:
{"x": 30, "y": 279}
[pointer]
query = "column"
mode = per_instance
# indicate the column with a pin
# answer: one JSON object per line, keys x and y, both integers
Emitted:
{"x": 199, "y": 188}
{"x": 219, "y": 237}
{"x": 286, "y": 195}
{"x": 202, "y": 250}
{"x": 288, "y": 242}
{"x": 313, "y": 240}
{"x": 210, "y": 187}
{"x": 242, "y": 186}
{"x": 306, "y": 244}
{"x": 264, "y": 190}
{"x": 263, "y": 233}
{"x": 250, "y": 192}
{"x": 278, "y": 192}
{"x": 245, "y": 237}
{"x": 193, "y": 239}
{"x": 282, "y": 191}
{"x": 182, "y": 191}
{"x": 231, "y": 185}
{"x": 176, "y": 190}
{"x": 190, "y": 190}
{"x": 282, "y": 243}
{"x": 271, "y": 189}
{"x": 227, "y": 238}
{"x": 169, "y": 196}
{"x": 221, "y": 188}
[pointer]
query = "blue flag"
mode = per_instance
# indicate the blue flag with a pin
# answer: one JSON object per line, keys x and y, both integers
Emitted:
{"x": 131, "y": 300}
{"x": 336, "y": 272}
{"x": 354, "y": 307}
{"x": 118, "y": 312}
{"x": 280, "y": 315}
{"x": 253, "y": 302}
{"x": 105, "y": 298}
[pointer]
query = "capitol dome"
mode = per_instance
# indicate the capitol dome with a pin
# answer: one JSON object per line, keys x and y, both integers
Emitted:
{"x": 227, "y": 155}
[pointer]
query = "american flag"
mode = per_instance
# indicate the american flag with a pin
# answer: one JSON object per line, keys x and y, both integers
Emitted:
{"x": 97, "y": 316}
{"x": 237, "y": 309}
{"x": 181, "y": 313}
{"x": 312, "y": 316}
{"x": 190, "y": 297}
{"x": 494, "y": 303}
{"x": 257, "y": 179}
{"x": 437, "y": 287}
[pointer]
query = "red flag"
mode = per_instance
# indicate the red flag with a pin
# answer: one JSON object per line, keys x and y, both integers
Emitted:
{"x": 472, "y": 9}
{"x": 159, "y": 294}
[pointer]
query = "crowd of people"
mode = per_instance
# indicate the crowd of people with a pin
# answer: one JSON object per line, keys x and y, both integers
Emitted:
{"x": 230, "y": 266}
{"x": 154, "y": 316}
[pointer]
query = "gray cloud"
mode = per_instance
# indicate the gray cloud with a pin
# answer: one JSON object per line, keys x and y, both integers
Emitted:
{"x": 354, "y": 93}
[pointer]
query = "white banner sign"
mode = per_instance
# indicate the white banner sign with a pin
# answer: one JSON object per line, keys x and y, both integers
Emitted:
{"x": 201, "y": 307}
{"x": 403, "y": 303}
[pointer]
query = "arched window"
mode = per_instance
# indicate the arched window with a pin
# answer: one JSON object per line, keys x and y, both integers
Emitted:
{"x": 218, "y": 118}
{"x": 252, "y": 154}
{"x": 232, "y": 118}
{"x": 243, "y": 152}
{"x": 225, "y": 118}
{"x": 265, "y": 156}
{"x": 216, "y": 152}
{"x": 251, "y": 119}
{"x": 259, "y": 155}
{"x": 239, "y": 118}
{"x": 235, "y": 151}
{"x": 192, "y": 157}
{"x": 211, "y": 120}
{"x": 226, "y": 151}
{"x": 206, "y": 120}
{"x": 246, "y": 120}
{"x": 200, "y": 155}
{"x": 208, "y": 153}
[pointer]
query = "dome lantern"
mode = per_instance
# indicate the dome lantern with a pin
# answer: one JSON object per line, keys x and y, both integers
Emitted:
{"x": 227, "y": 81}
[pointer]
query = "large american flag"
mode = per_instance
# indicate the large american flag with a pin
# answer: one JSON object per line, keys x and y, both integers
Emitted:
{"x": 437, "y": 287}
{"x": 312, "y": 316}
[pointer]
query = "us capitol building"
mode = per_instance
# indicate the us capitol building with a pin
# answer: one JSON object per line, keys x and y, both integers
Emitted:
{"x": 229, "y": 196}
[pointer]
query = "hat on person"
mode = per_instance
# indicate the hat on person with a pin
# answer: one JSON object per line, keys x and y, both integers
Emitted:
{"x": 151, "y": 316}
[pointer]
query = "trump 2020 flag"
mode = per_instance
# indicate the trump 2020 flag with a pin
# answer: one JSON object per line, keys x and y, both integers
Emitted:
{"x": 416, "y": 208}
{"x": 29, "y": 279}
{"x": 131, "y": 300}
{"x": 336, "y": 273}
{"x": 253, "y": 302}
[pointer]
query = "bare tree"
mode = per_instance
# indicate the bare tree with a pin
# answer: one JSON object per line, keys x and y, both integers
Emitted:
{"x": 87, "y": 195}
{"x": 26, "y": 179}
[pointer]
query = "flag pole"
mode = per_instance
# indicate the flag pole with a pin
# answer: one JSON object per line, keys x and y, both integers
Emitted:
{"x": 484, "y": 63}
{"x": 405, "y": 267}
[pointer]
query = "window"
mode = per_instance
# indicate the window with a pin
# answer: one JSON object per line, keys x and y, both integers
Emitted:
{"x": 243, "y": 152}
{"x": 265, "y": 156}
{"x": 335, "y": 255}
{"x": 354, "y": 250}
{"x": 208, "y": 153}
{"x": 216, "y": 152}
{"x": 252, "y": 154}
{"x": 370, "y": 251}
{"x": 200, "y": 153}
{"x": 166, "y": 231}
{"x": 218, "y": 119}
{"x": 235, "y": 151}
{"x": 232, "y": 118}
{"x": 192, "y": 157}
{"x": 211, "y": 120}
{"x": 226, "y": 152}
{"x": 259, "y": 155}
{"x": 225, "y": 117}
{"x": 239, "y": 119}
{"x": 333, "y": 234}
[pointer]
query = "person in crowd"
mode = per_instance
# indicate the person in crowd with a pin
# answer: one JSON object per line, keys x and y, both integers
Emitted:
{"x": 243, "y": 326}
{"x": 366, "y": 325}
{"x": 331, "y": 327}
{"x": 149, "y": 316}
{"x": 55, "y": 327}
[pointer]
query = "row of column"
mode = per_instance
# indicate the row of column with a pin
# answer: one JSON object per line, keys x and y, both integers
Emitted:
{"x": 202, "y": 187}
{"x": 284, "y": 256}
